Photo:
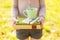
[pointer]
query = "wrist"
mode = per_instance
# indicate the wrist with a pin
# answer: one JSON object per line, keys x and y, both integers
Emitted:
{"x": 40, "y": 18}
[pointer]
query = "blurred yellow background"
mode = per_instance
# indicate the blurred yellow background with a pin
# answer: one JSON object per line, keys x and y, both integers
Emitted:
{"x": 51, "y": 29}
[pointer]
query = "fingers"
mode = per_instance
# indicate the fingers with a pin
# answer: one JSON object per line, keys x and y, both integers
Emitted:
{"x": 41, "y": 23}
{"x": 14, "y": 20}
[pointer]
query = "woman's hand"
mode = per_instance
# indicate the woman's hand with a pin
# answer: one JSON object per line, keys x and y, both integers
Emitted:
{"x": 41, "y": 23}
{"x": 14, "y": 20}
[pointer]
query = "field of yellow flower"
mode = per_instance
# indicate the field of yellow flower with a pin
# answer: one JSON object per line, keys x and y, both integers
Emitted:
{"x": 51, "y": 29}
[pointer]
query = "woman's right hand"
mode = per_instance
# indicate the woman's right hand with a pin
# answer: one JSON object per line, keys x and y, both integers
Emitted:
{"x": 14, "y": 20}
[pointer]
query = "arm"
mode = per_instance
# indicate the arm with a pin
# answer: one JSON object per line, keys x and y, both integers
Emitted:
{"x": 14, "y": 10}
{"x": 42, "y": 12}
{"x": 42, "y": 9}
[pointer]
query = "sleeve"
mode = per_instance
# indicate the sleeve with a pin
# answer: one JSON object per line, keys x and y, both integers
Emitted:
{"x": 14, "y": 9}
{"x": 42, "y": 10}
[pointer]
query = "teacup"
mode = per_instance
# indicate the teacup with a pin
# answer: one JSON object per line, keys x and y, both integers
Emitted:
{"x": 30, "y": 13}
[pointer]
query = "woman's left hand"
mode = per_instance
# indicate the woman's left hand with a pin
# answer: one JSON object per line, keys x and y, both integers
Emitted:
{"x": 41, "y": 23}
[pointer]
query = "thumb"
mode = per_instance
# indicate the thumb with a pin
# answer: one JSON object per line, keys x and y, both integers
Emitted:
{"x": 14, "y": 20}
{"x": 41, "y": 23}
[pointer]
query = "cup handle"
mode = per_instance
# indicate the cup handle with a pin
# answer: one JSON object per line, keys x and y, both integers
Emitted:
{"x": 24, "y": 13}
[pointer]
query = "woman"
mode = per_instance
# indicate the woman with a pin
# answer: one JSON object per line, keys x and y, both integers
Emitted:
{"x": 18, "y": 7}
